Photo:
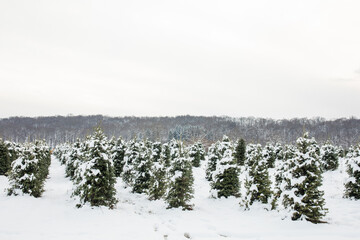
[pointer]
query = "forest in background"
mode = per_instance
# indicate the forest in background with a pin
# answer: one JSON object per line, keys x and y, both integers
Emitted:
{"x": 59, "y": 129}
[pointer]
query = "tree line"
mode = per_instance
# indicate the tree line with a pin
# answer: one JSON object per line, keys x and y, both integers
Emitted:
{"x": 60, "y": 129}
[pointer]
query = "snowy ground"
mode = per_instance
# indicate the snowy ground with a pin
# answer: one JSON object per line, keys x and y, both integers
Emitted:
{"x": 54, "y": 216}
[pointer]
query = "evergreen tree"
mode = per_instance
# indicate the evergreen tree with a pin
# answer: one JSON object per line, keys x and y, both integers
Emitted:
{"x": 13, "y": 150}
{"x": 213, "y": 157}
{"x": 62, "y": 152}
{"x": 329, "y": 156}
{"x": 225, "y": 145}
{"x": 181, "y": 180}
{"x": 156, "y": 152}
{"x": 165, "y": 154}
{"x": 225, "y": 180}
{"x": 75, "y": 157}
{"x": 279, "y": 153}
{"x": 253, "y": 155}
{"x": 216, "y": 152}
{"x": 118, "y": 154}
{"x": 303, "y": 195}
{"x": 5, "y": 161}
{"x": 158, "y": 184}
{"x": 352, "y": 185}
{"x": 42, "y": 152}
{"x": 175, "y": 149}
{"x": 282, "y": 167}
{"x": 142, "y": 168}
{"x": 240, "y": 151}
{"x": 269, "y": 155}
{"x": 96, "y": 178}
{"x": 257, "y": 183}
{"x": 132, "y": 153}
{"x": 196, "y": 154}
{"x": 28, "y": 171}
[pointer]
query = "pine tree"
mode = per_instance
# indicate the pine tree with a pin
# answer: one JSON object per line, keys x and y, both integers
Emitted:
{"x": 5, "y": 161}
{"x": 329, "y": 156}
{"x": 253, "y": 155}
{"x": 132, "y": 153}
{"x": 62, "y": 152}
{"x": 142, "y": 168}
{"x": 96, "y": 180}
{"x": 196, "y": 154}
{"x": 42, "y": 152}
{"x": 282, "y": 167}
{"x": 303, "y": 195}
{"x": 225, "y": 145}
{"x": 117, "y": 155}
{"x": 158, "y": 184}
{"x": 225, "y": 180}
{"x": 156, "y": 151}
{"x": 216, "y": 152}
{"x": 240, "y": 151}
{"x": 175, "y": 147}
{"x": 28, "y": 171}
{"x": 213, "y": 157}
{"x": 269, "y": 155}
{"x": 181, "y": 179}
{"x": 352, "y": 185}
{"x": 257, "y": 183}
{"x": 166, "y": 154}
{"x": 75, "y": 157}
{"x": 13, "y": 150}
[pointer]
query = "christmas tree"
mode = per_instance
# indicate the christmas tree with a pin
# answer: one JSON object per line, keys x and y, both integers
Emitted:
{"x": 29, "y": 170}
{"x": 5, "y": 161}
{"x": 225, "y": 178}
{"x": 352, "y": 184}
{"x": 302, "y": 194}
{"x": 158, "y": 182}
{"x": 181, "y": 179}
{"x": 240, "y": 151}
{"x": 95, "y": 177}
{"x": 196, "y": 154}
{"x": 117, "y": 155}
{"x": 132, "y": 153}
{"x": 258, "y": 183}
{"x": 329, "y": 156}
{"x": 213, "y": 157}
{"x": 142, "y": 168}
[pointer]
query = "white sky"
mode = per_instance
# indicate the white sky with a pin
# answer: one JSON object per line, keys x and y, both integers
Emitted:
{"x": 268, "y": 58}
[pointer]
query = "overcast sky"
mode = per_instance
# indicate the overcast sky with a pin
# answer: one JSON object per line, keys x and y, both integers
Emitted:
{"x": 278, "y": 59}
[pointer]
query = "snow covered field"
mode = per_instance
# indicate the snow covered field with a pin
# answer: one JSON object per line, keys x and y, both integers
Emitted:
{"x": 54, "y": 216}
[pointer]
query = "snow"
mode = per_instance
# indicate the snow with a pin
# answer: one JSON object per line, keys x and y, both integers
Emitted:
{"x": 54, "y": 215}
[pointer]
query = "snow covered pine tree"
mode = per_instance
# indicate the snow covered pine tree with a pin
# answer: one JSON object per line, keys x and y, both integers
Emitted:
{"x": 257, "y": 183}
{"x": 181, "y": 178}
{"x": 352, "y": 185}
{"x": 142, "y": 168}
{"x": 196, "y": 154}
{"x": 303, "y": 195}
{"x": 96, "y": 178}
{"x": 158, "y": 182}
{"x": 117, "y": 155}
{"x": 329, "y": 156}
{"x": 225, "y": 178}
{"x": 240, "y": 151}
{"x": 5, "y": 161}
{"x": 30, "y": 169}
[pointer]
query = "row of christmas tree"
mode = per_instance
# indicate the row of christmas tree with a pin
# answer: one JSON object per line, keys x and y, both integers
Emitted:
{"x": 165, "y": 171}
{"x": 278, "y": 176}
{"x": 159, "y": 170}
{"x": 26, "y": 165}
